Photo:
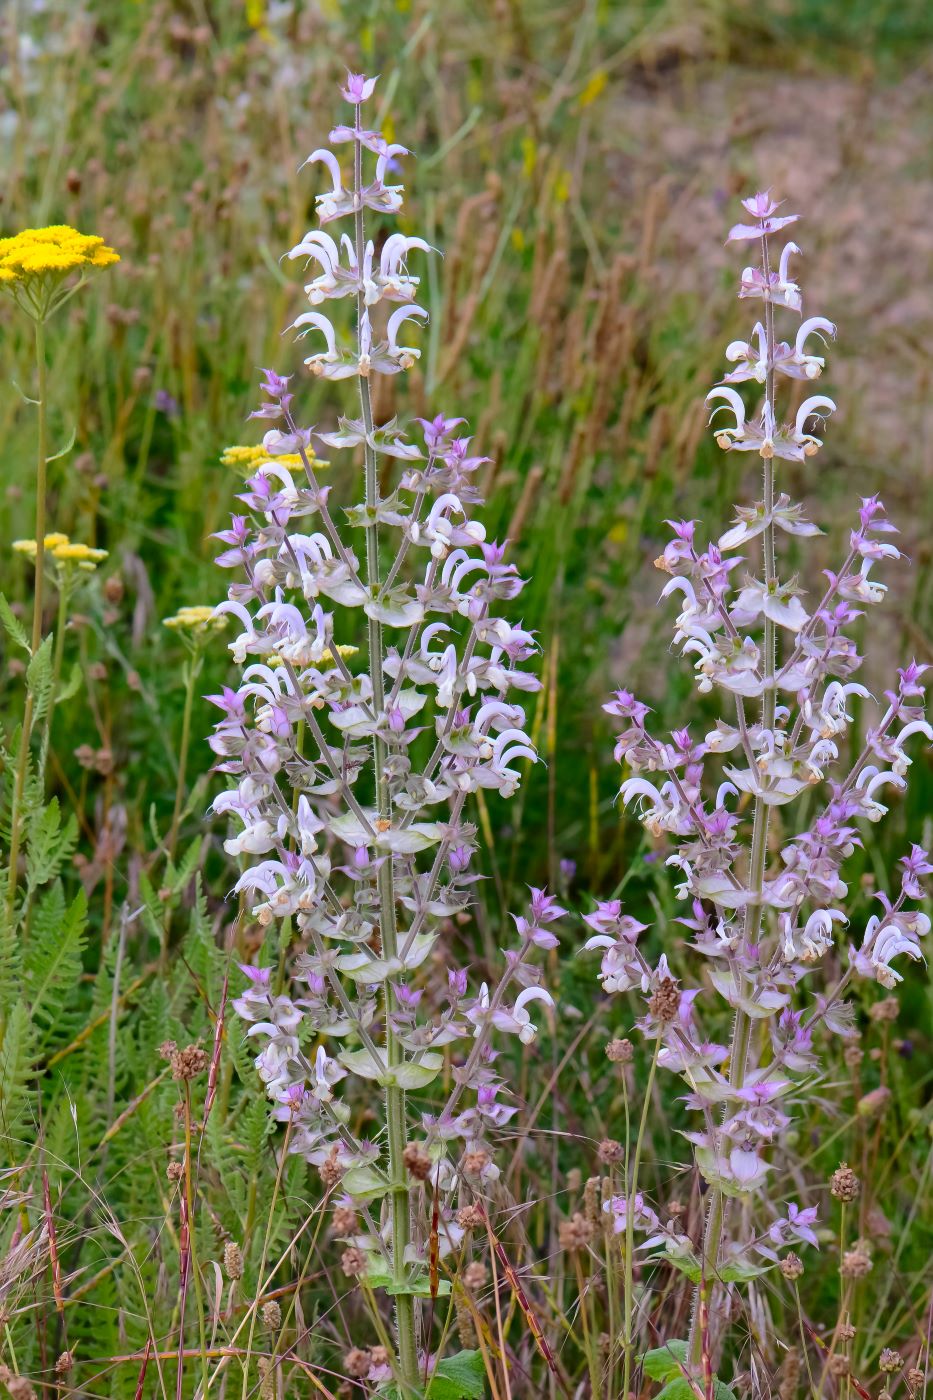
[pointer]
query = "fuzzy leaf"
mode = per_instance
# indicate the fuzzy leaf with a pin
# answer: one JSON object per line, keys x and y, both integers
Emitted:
{"x": 662, "y": 1363}
{"x": 365, "y": 1184}
{"x": 12, "y": 625}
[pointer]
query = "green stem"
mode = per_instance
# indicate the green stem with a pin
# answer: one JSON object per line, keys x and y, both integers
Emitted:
{"x": 741, "y": 1035}
{"x": 61, "y": 622}
{"x": 394, "y": 1096}
{"x": 22, "y": 761}
{"x": 193, "y": 670}
{"x": 631, "y": 1192}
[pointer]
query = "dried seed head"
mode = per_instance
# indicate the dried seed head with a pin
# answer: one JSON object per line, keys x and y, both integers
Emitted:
{"x": 272, "y": 1315}
{"x": 853, "y": 1056}
{"x": 791, "y": 1266}
{"x": 664, "y": 1002}
{"x": 591, "y": 1201}
{"x": 466, "y": 1331}
{"x": 168, "y": 1048}
{"x": 471, "y": 1217}
{"x": 620, "y": 1052}
{"x": 856, "y": 1262}
{"x": 885, "y": 1010}
{"x": 839, "y": 1366}
{"x": 266, "y": 1370}
{"x": 844, "y": 1184}
{"x": 575, "y": 1234}
{"x": 18, "y": 1387}
{"x": 890, "y": 1361}
{"x": 845, "y": 1331}
{"x": 65, "y": 1363}
{"x": 175, "y": 1171}
{"x": 353, "y": 1262}
{"x": 475, "y": 1163}
{"x": 474, "y": 1276}
{"x": 915, "y": 1379}
{"x": 790, "y": 1374}
{"x": 343, "y": 1220}
{"x": 330, "y": 1170}
{"x": 357, "y": 1362}
{"x": 417, "y": 1162}
{"x": 233, "y": 1260}
{"x": 610, "y": 1151}
{"x": 189, "y": 1063}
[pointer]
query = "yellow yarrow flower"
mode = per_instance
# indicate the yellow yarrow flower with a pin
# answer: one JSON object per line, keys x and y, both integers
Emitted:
{"x": 64, "y": 551}
{"x": 28, "y": 547}
{"x": 35, "y": 264}
{"x": 198, "y": 619}
{"x": 248, "y": 460}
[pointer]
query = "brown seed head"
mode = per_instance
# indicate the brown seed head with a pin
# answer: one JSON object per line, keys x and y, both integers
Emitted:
{"x": 885, "y": 1010}
{"x": 167, "y": 1049}
{"x": 175, "y": 1171}
{"x": 357, "y": 1362}
{"x": 620, "y": 1052}
{"x": 856, "y": 1262}
{"x": 187, "y": 1064}
{"x": 65, "y": 1363}
{"x": 853, "y": 1056}
{"x": 475, "y": 1163}
{"x": 792, "y": 1266}
{"x": 890, "y": 1361}
{"x": 844, "y": 1184}
{"x": 471, "y": 1217}
{"x": 343, "y": 1220}
{"x": 353, "y": 1262}
{"x": 839, "y": 1366}
{"x": 474, "y": 1276}
{"x": 575, "y": 1234}
{"x": 233, "y": 1260}
{"x": 330, "y": 1169}
{"x": 845, "y": 1331}
{"x": 610, "y": 1151}
{"x": 417, "y": 1162}
{"x": 915, "y": 1379}
{"x": 272, "y": 1315}
{"x": 664, "y": 1003}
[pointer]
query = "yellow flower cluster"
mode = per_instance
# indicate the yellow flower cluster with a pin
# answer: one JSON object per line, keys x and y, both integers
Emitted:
{"x": 64, "y": 551}
{"x": 198, "y": 619}
{"x": 51, "y": 252}
{"x": 248, "y": 460}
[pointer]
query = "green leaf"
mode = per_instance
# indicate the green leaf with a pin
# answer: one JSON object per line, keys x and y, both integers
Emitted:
{"x": 12, "y": 625}
{"x": 459, "y": 1377}
{"x": 681, "y": 1389}
{"x": 39, "y": 678}
{"x": 419, "y": 1287}
{"x": 365, "y": 1184}
{"x": 415, "y": 1076}
{"x": 661, "y": 1363}
{"x": 72, "y": 685}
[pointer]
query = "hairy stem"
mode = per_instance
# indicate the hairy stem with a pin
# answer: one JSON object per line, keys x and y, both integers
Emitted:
{"x": 631, "y": 1188}
{"x": 394, "y": 1096}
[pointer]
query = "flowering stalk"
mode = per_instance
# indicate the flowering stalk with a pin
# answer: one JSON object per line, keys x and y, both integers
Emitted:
{"x": 356, "y": 809}
{"x": 763, "y": 930}
{"x": 36, "y": 268}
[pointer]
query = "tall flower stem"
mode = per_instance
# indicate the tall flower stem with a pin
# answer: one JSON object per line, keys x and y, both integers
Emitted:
{"x": 631, "y": 1193}
{"x": 394, "y": 1096}
{"x": 192, "y": 671}
{"x": 758, "y": 859}
{"x": 22, "y": 762}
